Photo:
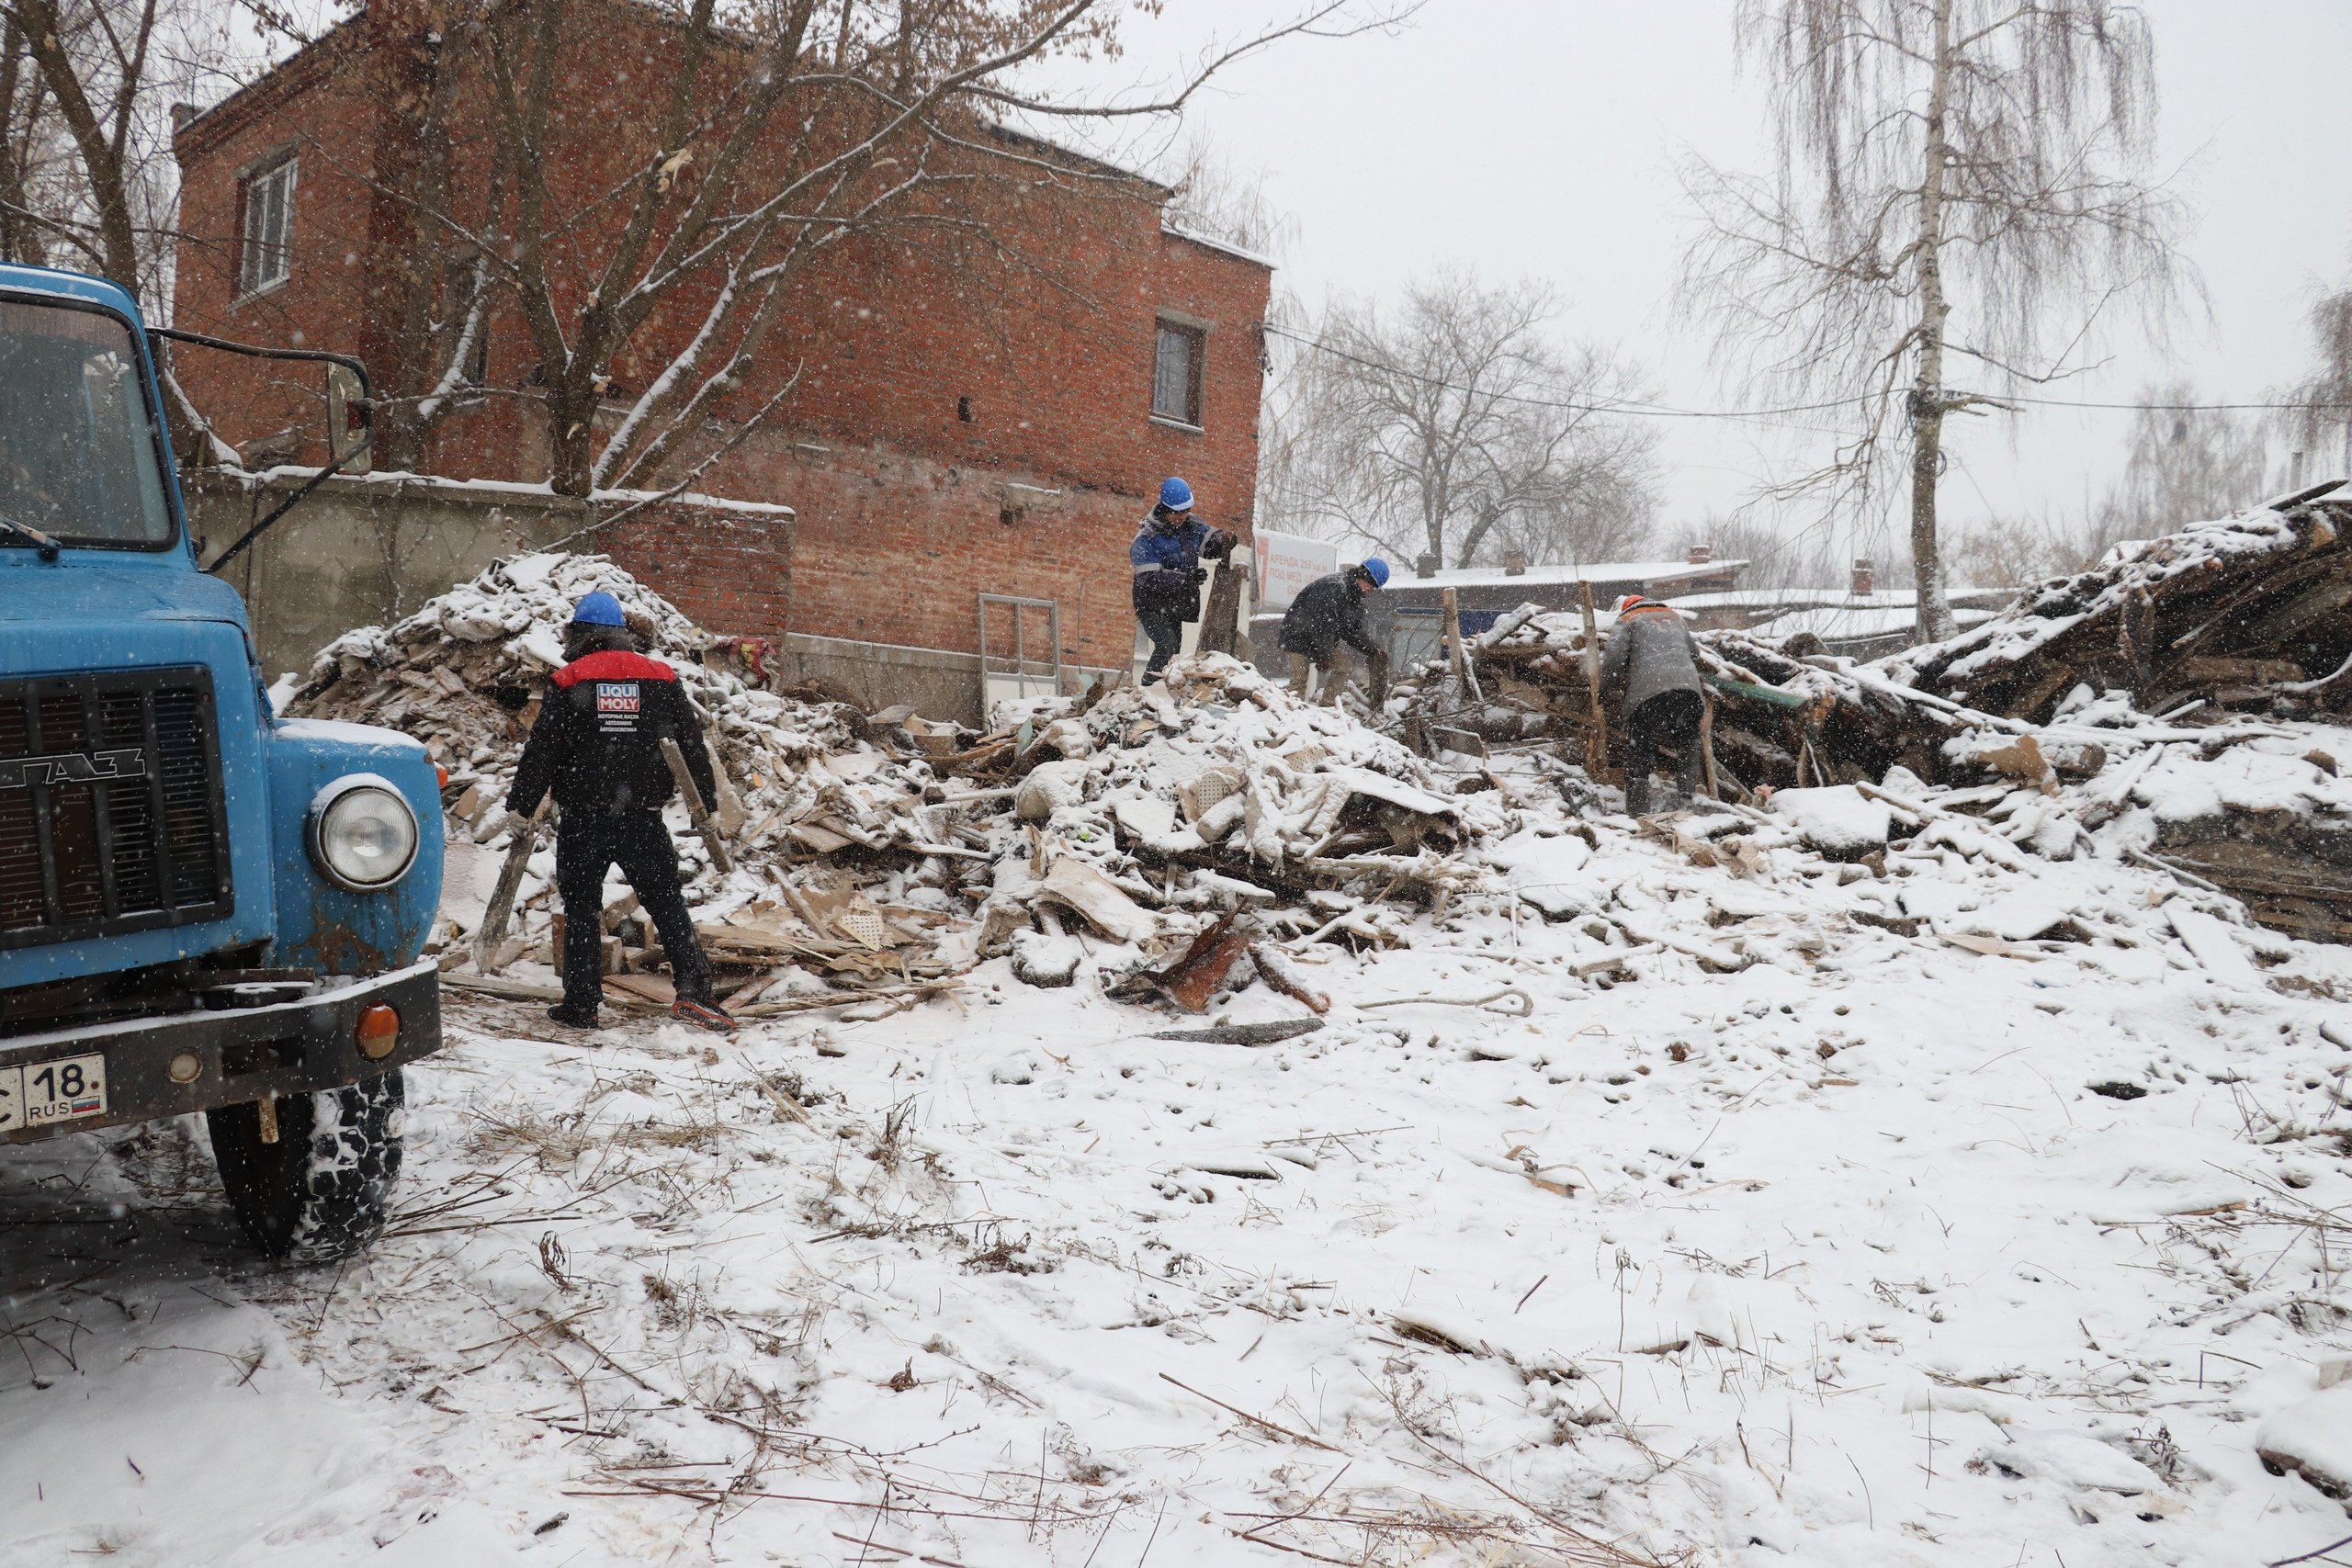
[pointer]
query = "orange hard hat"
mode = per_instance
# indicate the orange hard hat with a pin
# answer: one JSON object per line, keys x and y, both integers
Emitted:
{"x": 1628, "y": 601}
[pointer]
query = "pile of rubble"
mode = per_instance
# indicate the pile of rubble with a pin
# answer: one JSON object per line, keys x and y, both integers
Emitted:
{"x": 2244, "y": 613}
{"x": 1162, "y": 835}
{"x": 2174, "y": 704}
{"x": 875, "y": 857}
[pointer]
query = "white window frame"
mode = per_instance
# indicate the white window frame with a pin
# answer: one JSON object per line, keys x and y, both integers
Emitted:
{"x": 1195, "y": 335}
{"x": 265, "y": 227}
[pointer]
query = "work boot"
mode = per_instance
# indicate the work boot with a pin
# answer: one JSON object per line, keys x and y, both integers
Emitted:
{"x": 1637, "y": 796}
{"x": 702, "y": 1015}
{"x": 572, "y": 1017}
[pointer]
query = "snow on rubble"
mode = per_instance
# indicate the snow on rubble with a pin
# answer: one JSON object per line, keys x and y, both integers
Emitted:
{"x": 1924, "y": 1170}
{"x": 956, "y": 845}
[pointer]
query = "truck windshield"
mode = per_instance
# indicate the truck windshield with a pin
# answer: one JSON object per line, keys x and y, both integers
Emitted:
{"x": 77, "y": 442}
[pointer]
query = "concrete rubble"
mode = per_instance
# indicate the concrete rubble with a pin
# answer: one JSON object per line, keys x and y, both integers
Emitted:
{"x": 1166, "y": 837}
{"x": 879, "y": 856}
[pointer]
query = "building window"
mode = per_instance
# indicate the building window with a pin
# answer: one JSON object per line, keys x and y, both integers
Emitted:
{"x": 1176, "y": 374}
{"x": 265, "y": 258}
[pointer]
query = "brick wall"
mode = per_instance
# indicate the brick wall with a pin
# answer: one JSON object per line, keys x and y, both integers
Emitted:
{"x": 968, "y": 417}
{"x": 728, "y": 569}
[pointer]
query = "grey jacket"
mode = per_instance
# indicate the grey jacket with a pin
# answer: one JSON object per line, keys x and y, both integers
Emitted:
{"x": 1650, "y": 653}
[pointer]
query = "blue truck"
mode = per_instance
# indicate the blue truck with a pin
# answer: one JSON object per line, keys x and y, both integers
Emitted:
{"x": 203, "y": 906}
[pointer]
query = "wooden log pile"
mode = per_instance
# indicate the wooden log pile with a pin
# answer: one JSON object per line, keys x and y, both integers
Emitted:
{"x": 1773, "y": 720}
{"x": 2227, "y": 633}
{"x": 2246, "y": 613}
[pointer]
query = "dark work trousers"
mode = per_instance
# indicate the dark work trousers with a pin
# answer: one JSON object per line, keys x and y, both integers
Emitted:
{"x": 1670, "y": 718}
{"x": 1166, "y": 630}
{"x": 585, "y": 847}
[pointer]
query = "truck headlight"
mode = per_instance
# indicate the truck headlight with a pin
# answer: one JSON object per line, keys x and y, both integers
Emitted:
{"x": 363, "y": 834}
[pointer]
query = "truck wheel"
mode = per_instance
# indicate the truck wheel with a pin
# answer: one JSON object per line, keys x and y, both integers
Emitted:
{"x": 324, "y": 1189}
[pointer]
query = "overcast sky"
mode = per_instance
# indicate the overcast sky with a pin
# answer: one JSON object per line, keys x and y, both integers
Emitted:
{"x": 1537, "y": 137}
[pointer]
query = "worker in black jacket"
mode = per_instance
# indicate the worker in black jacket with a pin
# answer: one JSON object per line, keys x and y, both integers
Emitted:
{"x": 597, "y": 745}
{"x": 1324, "y": 621}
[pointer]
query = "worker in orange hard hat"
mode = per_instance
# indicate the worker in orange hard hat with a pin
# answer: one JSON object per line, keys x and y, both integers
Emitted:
{"x": 1650, "y": 675}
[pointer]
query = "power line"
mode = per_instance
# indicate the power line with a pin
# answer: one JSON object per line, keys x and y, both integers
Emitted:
{"x": 1636, "y": 408}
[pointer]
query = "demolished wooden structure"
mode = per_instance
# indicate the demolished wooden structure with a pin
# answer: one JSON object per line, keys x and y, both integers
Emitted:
{"x": 2246, "y": 613}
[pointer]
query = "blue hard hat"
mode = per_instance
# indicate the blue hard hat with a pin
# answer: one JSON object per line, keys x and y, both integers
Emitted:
{"x": 1176, "y": 495}
{"x": 1376, "y": 569}
{"x": 599, "y": 609}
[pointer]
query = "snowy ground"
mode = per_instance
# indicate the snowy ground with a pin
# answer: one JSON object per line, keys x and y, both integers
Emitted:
{"x": 1833, "y": 1259}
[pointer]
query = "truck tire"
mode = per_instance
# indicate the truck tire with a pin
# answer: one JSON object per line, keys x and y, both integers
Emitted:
{"x": 324, "y": 1191}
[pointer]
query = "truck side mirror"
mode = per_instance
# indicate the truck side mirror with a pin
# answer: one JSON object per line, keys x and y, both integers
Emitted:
{"x": 348, "y": 412}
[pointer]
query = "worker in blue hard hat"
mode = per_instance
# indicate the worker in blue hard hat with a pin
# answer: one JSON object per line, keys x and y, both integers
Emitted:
{"x": 1326, "y": 622}
{"x": 597, "y": 745}
{"x": 1168, "y": 547}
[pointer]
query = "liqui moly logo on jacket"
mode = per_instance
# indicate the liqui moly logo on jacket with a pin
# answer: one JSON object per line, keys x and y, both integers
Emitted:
{"x": 618, "y": 696}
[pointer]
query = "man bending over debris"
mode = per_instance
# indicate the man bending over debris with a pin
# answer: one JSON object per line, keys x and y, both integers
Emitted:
{"x": 1324, "y": 621}
{"x": 1650, "y": 676}
{"x": 1166, "y": 554}
{"x": 598, "y": 745}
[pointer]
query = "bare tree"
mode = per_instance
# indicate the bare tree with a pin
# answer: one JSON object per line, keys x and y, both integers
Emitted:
{"x": 86, "y": 174}
{"x": 2015, "y": 551}
{"x": 1983, "y": 158}
{"x": 2323, "y": 400}
{"x": 30, "y": 151}
{"x": 1219, "y": 199}
{"x": 776, "y": 133}
{"x": 1457, "y": 427}
{"x": 1817, "y": 554}
{"x": 2182, "y": 464}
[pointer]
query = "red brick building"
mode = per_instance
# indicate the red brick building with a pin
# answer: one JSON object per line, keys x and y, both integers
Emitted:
{"x": 966, "y": 422}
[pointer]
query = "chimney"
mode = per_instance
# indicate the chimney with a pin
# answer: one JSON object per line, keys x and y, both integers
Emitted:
{"x": 1701, "y": 554}
{"x": 1514, "y": 563}
{"x": 1865, "y": 579}
{"x": 1425, "y": 564}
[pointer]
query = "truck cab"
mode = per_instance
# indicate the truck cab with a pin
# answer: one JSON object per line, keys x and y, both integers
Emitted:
{"x": 203, "y": 906}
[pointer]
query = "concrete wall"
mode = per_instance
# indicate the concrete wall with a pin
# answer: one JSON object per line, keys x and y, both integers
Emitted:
{"x": 940, "y": 684}
{"x": 368, "y": 551}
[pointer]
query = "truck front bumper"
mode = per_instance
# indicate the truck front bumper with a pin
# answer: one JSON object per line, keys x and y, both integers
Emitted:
{"x": 169, "y": 1066}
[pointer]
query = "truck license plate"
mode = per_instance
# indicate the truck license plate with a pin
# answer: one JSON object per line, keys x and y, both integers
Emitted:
{"x": 45, "y": 1094}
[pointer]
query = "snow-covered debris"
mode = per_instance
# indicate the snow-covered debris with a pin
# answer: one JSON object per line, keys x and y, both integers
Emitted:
{"x": 1837, "y": 820}
{"x": 883, "y": 851}
{"x": 1810, "y": 1214}
{"x": 2174, "y": 704}
{"x": 2313, "y": 1440}
{"x": 2240, "y": 612}
{"x": 463, "y": 674}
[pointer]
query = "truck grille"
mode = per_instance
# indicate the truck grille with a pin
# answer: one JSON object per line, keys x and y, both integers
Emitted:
{"x": 111, "y": 810}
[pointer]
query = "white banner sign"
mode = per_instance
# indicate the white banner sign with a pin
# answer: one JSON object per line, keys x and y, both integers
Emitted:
{"x": 1287, "y": 563}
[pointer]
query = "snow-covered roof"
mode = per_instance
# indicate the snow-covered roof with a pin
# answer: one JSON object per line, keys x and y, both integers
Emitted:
{"x": 1590, "y": 571}
{"x": 1797, "y": 598}
{"x": 1876, "y": 617}
{"x": 1211, "y": 242}
{"x": 284, "y": 473}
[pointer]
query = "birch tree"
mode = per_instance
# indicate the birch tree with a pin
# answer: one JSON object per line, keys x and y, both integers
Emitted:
{"x": 1961, "y": 197}
{"x": 1455, "y": 425}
